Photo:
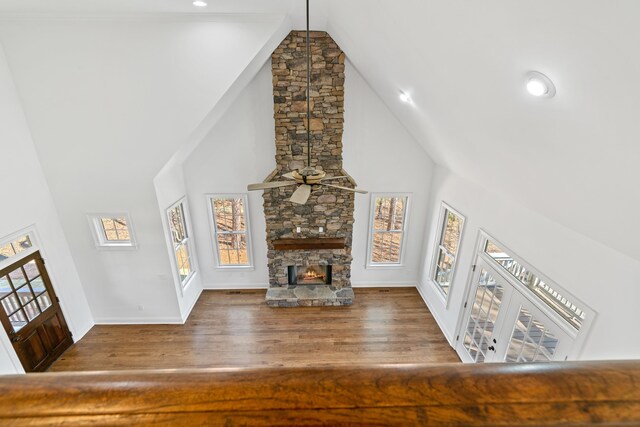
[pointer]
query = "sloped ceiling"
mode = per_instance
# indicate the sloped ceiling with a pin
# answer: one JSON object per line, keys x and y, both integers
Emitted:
{"x": 572, "y": 158}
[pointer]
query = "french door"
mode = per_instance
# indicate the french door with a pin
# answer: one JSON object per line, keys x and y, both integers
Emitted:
{"x": 503, "y": 325}
{"x": 31, "y": 315}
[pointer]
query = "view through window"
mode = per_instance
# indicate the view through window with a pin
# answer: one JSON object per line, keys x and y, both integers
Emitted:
{"x": 450, "y": 234}
{"x": 180, "y": 240}
{"x": 387, "y": 232}
{"x": 230, "y": 230}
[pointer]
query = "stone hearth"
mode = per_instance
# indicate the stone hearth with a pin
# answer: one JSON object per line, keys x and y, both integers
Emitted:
{"x": 328, "y": 208}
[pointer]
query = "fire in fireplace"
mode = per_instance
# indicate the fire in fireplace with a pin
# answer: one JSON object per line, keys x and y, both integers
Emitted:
{"x": 309, "y": 275}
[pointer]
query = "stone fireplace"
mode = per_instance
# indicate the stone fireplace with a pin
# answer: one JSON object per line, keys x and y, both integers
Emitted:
{"x": 314, "y": 238}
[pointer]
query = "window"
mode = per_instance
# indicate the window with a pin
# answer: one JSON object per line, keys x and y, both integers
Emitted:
{"x": 112, "y": 230}
{"x": 388, "y": 222}
{"x": 230, "y": 230}
{"x": 180, "y": 242}
{"x": 550, "y": 294}
{"x": 15, "y": 246}
{"x": 447, "y": 245}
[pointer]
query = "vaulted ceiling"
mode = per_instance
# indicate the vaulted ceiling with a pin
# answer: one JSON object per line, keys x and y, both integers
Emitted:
{"x": 571, "y": 158}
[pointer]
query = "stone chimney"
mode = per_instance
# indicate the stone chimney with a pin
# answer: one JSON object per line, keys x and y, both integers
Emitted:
{"x": 328, "y": 209}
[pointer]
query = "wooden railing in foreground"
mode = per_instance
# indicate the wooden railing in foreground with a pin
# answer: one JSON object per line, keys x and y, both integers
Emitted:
{"x": 496, "y": 394}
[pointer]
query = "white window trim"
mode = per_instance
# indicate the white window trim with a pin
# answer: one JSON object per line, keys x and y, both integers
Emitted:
{"x": 35, "y": 245}
{"x": 444, "y": 206}
{"x": 580, "y": 336}
{"x": 214, "y": 231}
{"x": 407, "y": 209}
{"x": 100, "y": 241}
{"x": 183, "y": 284}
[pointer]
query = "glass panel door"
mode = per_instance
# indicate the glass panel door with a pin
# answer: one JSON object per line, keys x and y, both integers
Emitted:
{"x": 532, "y": 335}
{"x": 484, "y": 315}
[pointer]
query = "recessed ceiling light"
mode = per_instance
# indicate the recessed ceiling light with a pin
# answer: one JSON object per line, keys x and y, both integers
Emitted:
{"x": 404, "y": 97}
{"x": 540, "y": 85}
{"x": 199, "y": 3}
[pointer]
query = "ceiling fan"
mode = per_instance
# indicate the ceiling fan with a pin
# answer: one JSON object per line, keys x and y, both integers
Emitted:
{"x": 308, "y": 176}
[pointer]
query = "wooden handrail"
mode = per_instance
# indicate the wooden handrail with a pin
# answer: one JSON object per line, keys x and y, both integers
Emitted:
{"x": 566, "y": 393}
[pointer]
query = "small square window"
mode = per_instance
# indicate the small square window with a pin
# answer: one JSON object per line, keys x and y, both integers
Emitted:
{"x": 112, "y": 230}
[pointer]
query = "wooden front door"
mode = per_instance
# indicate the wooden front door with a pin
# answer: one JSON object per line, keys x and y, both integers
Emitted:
{"x": 31, "y": 314}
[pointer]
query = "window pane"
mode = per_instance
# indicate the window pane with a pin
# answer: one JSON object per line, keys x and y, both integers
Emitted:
{"x": 233, "y": 249}
{"x": 18, "y": 321}
{"x": 37, "y": 285}
{"x": 229, "y": 214}
{"x": 17, "y": 278}
{"x": 452, "y": 230}
{"x": 32, "y": 310}
{"x": 444, "y": 270}
{"x": 111, "y": 235}
{"x": 120, "y": 223}
{"x": 24, "y": 294}
{"x": 31, "y": 268}
{"x": 185, "y": 269}
{"x": 386, "y": 247}
{"x": 389, "y": 213}
{"x": 44, "y": 301}
{"x": 6, "y": 251}
{"x": 10, "y": 304}
{"x": 176, "y": 224}
{"x": 107, "y": 223}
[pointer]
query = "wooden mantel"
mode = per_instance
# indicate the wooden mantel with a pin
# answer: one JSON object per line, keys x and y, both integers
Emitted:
{"x": 303, "y": 244}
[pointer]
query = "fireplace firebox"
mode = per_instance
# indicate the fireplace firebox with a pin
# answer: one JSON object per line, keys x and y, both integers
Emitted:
{"x": 309, "y": 275}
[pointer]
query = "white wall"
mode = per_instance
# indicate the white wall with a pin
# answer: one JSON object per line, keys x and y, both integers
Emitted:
{"x": 109, "y": 101}
{"x": 27, "y": 202}
{"x": 240, "y": 150}
{"x": 383, "y": 157}
{"x": 602, "y": 278}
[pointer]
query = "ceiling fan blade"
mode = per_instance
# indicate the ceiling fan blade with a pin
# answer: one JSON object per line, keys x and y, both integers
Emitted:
{"x": 265, "y": 185}
{"x": 355, "y": 190}
{"x": 329, "y": 178}
{"x": 288, "y": 175}
{"x": 301, "y": 195}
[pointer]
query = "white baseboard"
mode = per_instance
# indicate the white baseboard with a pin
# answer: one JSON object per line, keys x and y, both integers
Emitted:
{"x": 435, "y": 315}
{"x": 234, "y": 286}
{"x": 384, "y": 284}
{"x": 138, "y": 321}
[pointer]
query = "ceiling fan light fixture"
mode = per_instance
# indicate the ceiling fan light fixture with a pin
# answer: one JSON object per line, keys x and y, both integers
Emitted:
{"x": 199, "y": 3}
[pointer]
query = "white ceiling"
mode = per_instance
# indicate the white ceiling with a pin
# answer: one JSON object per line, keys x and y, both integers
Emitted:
{"x": 144, "y": 6}
{"x": 571, "y": 158}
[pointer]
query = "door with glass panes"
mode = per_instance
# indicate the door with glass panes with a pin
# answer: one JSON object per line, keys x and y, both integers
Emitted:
{"x": 502, "y": 325}
{"x": 484, "y": 315}
{"x": 31, "y": 315}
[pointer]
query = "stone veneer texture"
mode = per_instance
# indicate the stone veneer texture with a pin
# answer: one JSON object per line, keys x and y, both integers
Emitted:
{"x": 327, "y": 207}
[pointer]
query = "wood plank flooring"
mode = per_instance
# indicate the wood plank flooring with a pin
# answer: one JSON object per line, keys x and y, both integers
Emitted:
{"x": 237, "y": 329}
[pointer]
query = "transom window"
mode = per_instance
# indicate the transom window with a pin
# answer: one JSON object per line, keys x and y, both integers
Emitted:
{"x": 386, "y": 234}
{"x": 112, "y": 230}
{"x": 230, "y": 230}
{"x": 447, "y": 245}
{"x": 550, "y": 294}
{"x": 15, "y": 246}
{"x": 180, "y": 241}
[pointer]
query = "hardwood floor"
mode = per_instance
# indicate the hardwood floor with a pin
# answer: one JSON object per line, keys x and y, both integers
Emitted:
{"x": 237, "y": 329}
